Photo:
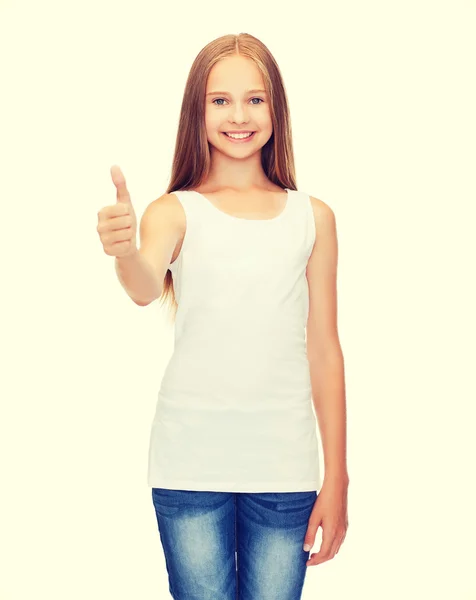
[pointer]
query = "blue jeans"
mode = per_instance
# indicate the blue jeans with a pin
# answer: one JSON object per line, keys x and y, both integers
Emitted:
{"x": 234, "y": 545}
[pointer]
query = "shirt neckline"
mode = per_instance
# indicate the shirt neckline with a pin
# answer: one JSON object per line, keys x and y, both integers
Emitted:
{"x": 235, "y": 218}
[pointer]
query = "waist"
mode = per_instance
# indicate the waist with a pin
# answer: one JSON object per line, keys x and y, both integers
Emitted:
{"x": 266, "y": 328}
{"x": 226, "y": 377}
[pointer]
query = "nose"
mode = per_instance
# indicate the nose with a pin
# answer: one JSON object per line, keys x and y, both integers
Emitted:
{"x": 238, "y": 114}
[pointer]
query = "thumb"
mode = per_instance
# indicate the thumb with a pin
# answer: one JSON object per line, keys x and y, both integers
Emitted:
{"x": 120, "y": 183}
{"x": 310, "y": 537}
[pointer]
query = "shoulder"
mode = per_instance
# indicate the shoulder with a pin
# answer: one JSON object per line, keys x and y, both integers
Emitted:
{"x": 322, "y": 263}
{"x": 324, "y": 216}
{"x": 167, "y": 201}
{"x": 167, "y": 207}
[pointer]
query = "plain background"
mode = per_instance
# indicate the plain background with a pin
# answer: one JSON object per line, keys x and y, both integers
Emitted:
{"x": 382, "y": 98}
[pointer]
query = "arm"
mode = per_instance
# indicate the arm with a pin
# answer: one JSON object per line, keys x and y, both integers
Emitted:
{"x": 324, "y": 352}
{"x": 138, "y": 277}
{"x": 142, "y": 274}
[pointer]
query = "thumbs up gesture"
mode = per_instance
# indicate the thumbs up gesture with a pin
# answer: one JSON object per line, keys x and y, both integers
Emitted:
{"x": 117, "y": 223}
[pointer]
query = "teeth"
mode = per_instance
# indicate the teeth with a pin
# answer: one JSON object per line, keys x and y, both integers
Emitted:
{"x": 239, "y": 136}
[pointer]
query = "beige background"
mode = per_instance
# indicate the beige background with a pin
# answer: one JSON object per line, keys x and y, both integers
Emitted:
{"x": 382, "y": 97}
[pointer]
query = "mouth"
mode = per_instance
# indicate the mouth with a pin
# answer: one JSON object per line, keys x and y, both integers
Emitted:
{"x": 239, "y": 140}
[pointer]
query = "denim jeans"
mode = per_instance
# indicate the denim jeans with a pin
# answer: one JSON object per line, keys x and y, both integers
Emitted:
{"x": 234, "y": 545}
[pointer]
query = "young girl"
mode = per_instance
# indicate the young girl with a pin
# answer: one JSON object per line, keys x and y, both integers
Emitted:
{"x": 249, "y": 265}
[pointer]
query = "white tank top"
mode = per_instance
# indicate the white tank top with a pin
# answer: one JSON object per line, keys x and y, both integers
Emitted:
{"x": 234, "y": 410}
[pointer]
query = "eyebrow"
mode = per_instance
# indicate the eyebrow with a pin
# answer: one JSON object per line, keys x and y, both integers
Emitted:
{"x": 248, "y": 92}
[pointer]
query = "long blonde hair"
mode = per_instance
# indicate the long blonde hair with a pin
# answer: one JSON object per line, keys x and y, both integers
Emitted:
{"x": 191, "y": 162}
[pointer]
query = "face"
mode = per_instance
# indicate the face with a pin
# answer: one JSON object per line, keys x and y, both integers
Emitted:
{"x": 235, "y": 107}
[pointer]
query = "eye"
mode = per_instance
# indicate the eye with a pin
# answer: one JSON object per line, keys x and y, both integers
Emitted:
{"x": 255, "y": 103}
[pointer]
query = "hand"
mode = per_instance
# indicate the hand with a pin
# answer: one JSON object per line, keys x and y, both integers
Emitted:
{"x": 329, "y": 512}
{"x": 117, "y": 223}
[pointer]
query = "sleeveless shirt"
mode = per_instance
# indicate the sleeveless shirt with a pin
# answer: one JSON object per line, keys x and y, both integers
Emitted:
{"x": 234, "y": 410}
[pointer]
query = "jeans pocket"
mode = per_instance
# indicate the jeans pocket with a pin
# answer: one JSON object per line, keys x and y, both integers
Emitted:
{"x": 295, "y": 501}
{"x": 164, "y": 502}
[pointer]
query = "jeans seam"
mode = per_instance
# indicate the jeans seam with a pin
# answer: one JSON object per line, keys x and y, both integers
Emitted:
{"x": 236, "y": 546}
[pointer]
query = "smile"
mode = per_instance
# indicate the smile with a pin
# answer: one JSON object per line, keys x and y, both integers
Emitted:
{"x": 239, "y": 138}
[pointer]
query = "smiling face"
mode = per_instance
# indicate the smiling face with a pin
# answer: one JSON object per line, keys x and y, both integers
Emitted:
{"x": 236, "y": 101}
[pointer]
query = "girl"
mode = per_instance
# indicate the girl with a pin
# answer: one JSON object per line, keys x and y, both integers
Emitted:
{"x": 249, "y": 269}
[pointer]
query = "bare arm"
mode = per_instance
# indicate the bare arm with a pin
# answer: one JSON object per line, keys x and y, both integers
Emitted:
{"x": 138, "y": 277}
{"x": 323, "y": 346}
{"x": 142, "y": 274}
